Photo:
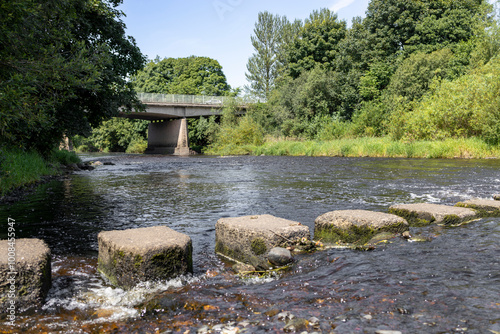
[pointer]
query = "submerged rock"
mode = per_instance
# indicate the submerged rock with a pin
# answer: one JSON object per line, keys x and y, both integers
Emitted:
{"x": 422, "y": 214}
{"x": 249, "y": 239}
{"x": 296, "y": 325}
{"x": 356, "y": 226}
{"x": 383, "y": 237}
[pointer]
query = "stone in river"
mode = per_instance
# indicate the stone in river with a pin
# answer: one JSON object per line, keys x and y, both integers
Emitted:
{"x": 25, "y": 274}
{"x": 356, "y": 226}
{"x": 421, "y": 214}
{"x": 249, "y": 239}
{"x": 279, "y": 257}
{"x": 484, "y": 207}
{"x": 129, "y": 257}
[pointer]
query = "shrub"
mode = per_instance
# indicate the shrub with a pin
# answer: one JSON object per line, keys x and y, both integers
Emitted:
{"x": 138, "y": 145}
{"x": 466, "y": 107}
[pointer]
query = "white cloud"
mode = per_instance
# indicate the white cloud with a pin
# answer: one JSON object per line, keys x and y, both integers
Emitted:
{"x": 340, "y": 4}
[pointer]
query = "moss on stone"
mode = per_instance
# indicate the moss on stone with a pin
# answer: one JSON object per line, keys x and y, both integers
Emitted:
{"x": 413, "y": 218}
{"x": 23, "y": 291}
{"x": 354, "y": 234}
{"x": 451, "y": 220}
{"x": 138, "y": 261}
{"x": 258, "y": 246}
{"x": 239, "y": 255}
{"x": 482, "y": 211}
{"x": 381, "y": 238}
{"x": 236, "y": 254}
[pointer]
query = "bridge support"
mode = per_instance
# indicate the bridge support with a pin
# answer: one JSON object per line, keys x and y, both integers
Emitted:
{"x": 170, "y": 137}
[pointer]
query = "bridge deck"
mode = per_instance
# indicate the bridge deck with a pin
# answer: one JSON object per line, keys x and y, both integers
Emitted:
{"x": 161, "y": 106}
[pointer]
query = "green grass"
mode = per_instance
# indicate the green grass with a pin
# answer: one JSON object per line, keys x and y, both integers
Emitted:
{"x": 366, "y": 147}
{"x": 19, "y": 168}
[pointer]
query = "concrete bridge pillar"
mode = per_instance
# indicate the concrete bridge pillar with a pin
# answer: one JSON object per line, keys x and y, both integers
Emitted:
{"x": 170, "y": 137}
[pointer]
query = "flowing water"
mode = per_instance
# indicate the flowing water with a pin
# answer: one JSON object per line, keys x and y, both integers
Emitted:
{"x": 449, "y": 284}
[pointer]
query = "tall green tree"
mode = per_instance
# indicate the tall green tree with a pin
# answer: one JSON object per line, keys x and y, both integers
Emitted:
{"x": 272, "y": 34}
{"x": 401, "y": 27}
{"x": 317, "y": 42}
{"x": 63, "y": 67}
{"x": 191, "y": 76}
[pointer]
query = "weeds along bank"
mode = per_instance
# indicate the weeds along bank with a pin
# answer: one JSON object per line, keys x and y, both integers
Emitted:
{"x": 19, "y": 168}
{"x": 365, "y": 147}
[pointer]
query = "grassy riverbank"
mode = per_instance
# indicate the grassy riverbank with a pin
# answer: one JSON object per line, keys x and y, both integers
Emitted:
{"x": 19, "y": 168}
{"x": 366, "y": 147}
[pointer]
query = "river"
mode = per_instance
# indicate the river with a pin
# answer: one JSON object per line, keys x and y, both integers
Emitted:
{"x": 449, "y": 284}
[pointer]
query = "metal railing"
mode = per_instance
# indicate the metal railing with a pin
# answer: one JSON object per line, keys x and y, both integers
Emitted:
{"x": 195, "y": 99}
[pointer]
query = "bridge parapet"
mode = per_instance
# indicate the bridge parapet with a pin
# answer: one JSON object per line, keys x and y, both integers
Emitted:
{"x": 195, "y": 99}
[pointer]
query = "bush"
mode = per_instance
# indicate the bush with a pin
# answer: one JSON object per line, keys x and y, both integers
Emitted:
{"x": 138, "y": 145}
{"x": 466, "y": 107}
{"x": 64, "y": 157}
{"x": 113, "y": 135}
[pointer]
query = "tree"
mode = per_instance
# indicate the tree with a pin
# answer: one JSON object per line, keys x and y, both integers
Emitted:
{"x": 191, "y": 76}
{"x": 272, "y": 34}
{"x": 401, "y": 27}
{"x": 63, "y": 67}
{"x": 316, "y": 43}
{"x": 414, "y": 76}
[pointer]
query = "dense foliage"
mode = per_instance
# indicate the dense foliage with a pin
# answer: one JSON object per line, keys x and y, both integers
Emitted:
{"x": 190, "y": 76}
{"x": 115, "y": 135}
{"x": 63, "y": 68}
{"x": 410, "y": 69}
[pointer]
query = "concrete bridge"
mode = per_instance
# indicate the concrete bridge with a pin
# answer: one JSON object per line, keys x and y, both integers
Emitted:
{"x": 167, "y": 132}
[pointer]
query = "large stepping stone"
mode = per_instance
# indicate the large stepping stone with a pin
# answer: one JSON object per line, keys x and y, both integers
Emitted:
{"x": 356, "y": 226}
{"x": 25, "y": 274}
{"x": 249, "y": 239}
{"x": 484, "y": 207}
{"x": 129, "y": 257}
{"x": 422, "y": 214}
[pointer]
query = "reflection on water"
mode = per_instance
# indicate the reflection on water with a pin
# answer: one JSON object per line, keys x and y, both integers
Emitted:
{"x": 449, "y": 284}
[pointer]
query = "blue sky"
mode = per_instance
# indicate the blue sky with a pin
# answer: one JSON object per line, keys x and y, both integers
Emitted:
{"x": 219, "y": 29}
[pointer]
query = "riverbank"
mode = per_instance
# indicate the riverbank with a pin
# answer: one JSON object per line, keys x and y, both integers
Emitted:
{"x": 384, "y": 147}
{"x": 20, "y": 169}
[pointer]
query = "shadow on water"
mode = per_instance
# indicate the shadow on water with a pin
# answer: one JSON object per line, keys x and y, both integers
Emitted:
{"x": 448, "y": 284}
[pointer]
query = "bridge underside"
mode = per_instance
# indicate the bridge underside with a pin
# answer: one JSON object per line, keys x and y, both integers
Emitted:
{"x": 170, "y": 135}
{"x": 169, "y": 111}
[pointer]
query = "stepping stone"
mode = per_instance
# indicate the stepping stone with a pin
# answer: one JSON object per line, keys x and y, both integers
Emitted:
{"x": 484, "y": 207}
{"x": 422, "y": 214}
{"x": 129, "y": 257}
{"x": 249, "y": 239}
{"x": 356, "y": 226}
{"x": 25, "y": 274}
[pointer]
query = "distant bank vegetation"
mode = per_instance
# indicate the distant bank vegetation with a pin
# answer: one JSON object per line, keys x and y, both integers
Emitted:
{"x": 408, "y": 78}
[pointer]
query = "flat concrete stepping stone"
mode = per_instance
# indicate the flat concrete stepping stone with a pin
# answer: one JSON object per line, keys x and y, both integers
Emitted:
{"x": 422, "y": 214}
{"x": 25, "y": 274}
{"x": 484, "y": 207}
{"x": 129, "y": 257}
{"x": 249, "y": 239}
{"x": 356, "y": 226}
